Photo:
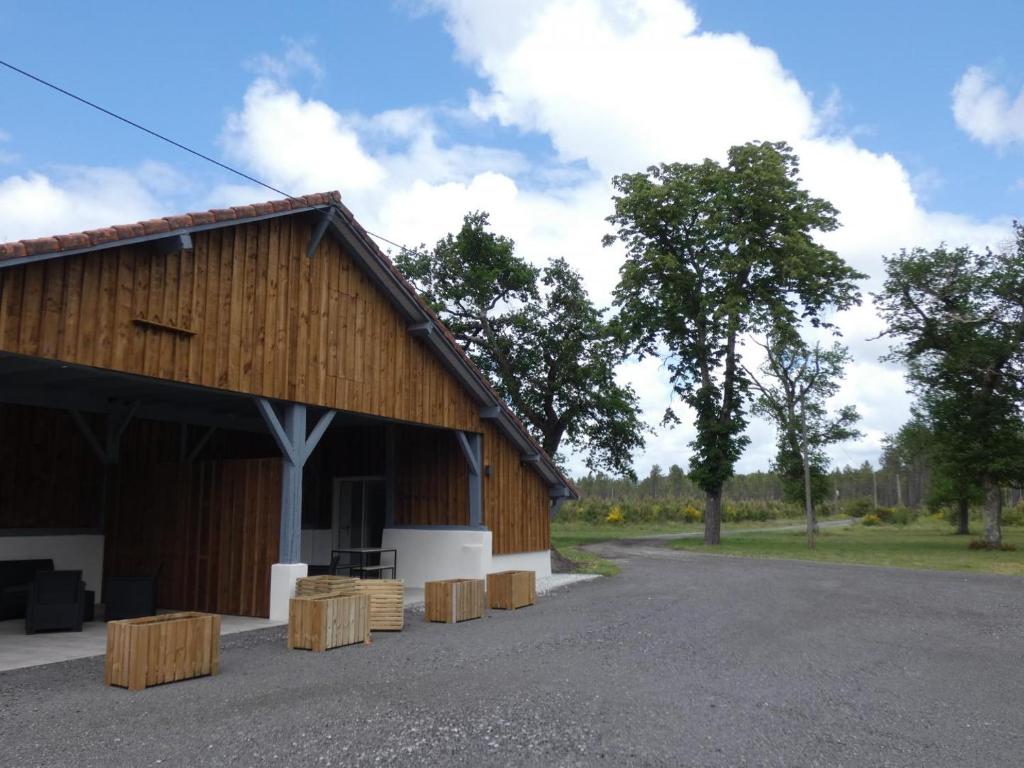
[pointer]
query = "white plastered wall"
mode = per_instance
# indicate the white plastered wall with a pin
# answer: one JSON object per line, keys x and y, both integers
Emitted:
{"x": 426, "y": 554}
{"x": 524, "y": 561}
{"x": 73, "y": 552}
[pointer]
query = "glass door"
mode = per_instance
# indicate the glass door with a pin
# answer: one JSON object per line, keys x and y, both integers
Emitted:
{"x": 358, "y": 516}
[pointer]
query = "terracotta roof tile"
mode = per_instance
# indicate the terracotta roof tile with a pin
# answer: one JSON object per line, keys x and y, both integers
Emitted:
{"x": 153, "y": 226}
{"x": 106, "y": 235}
{"x": 179, "y": 222}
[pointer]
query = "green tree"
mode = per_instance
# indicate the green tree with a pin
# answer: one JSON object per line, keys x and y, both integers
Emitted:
{"x": 793, "y": 387}
{"x": 714, "y": 252}
{"x": 934, "y": 453}
{"x": 539, "y": 338}
{"x": 677, "y": 481}
{"x": 956, "y": 318}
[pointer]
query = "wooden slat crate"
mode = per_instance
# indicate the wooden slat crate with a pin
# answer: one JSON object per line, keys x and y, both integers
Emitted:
{"x": 328, "y": 621}
{"x": 454, "y": 600}
{"x": 387, "y": 603}
{"x": 161, "y": 649}
{"x": 511, "y": 589}
{"x": 308, "y": 586}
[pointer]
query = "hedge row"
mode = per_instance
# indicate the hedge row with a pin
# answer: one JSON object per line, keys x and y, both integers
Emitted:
{"x": 601, "y": 511}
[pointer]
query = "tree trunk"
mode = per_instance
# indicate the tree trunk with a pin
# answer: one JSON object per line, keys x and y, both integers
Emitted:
{"x": 962, "y": 517}
{"x": 899, "y": 491}
{"x": 713, "y": 518}
{"x": 993, "y": 516}
{"x": 808, "y": 500}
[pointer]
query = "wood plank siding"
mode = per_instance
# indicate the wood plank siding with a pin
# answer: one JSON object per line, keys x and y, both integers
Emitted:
{"x": 516, "y": 506}
{"x": 49, "y": 476}
{"x": 212, "y": 527}
{"x": 246, "y": 311}
{"x": 432, "y": 479}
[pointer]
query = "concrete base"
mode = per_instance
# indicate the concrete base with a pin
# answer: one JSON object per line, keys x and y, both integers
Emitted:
{"x": 282, "y": 587}
{"x": 77, "y": 552}
{"x": 524, "y": 561}
{"x": 428, "y": 555}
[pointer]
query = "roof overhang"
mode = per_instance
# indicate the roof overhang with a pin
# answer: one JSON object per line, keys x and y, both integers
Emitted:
{"x": 422, "y": 322}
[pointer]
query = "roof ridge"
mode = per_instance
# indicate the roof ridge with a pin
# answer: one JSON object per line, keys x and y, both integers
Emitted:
{"x": 116, "y": 232}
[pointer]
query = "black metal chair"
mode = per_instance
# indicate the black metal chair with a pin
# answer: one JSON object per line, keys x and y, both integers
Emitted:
{"x": 15, "y": 578}
{"x": 56, "y": 600}
{"x": 128, "y": 597}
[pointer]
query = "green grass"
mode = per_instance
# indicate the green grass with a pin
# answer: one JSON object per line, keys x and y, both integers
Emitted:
{"x": 927, "y": 544}
{"x": 567, "y": 538}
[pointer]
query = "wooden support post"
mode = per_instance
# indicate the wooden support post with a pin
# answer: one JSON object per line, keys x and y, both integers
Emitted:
{"x": 472, "y": 448}
{"x": 558, "y": 494}
{"x": 108, "y": 449}
{"x": 291, "y": 484}
{"x": 296, "y": 447}
{"x": 390, "y": 474}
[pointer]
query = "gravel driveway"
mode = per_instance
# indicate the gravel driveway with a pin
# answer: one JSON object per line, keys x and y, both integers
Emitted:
{"x": 683, "y": 659}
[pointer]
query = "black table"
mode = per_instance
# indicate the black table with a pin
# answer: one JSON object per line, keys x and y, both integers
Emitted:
{"x": 363, "y": 567}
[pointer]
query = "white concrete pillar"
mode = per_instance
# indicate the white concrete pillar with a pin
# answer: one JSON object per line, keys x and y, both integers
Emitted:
{"x": 282, "y": 587}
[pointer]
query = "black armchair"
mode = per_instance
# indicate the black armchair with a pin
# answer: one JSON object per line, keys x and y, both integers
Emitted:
{"x": 127, "y": 597}
{"x": 56, "y": 600}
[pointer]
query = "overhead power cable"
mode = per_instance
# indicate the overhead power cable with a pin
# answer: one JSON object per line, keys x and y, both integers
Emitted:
{"x": 170, "y": 141}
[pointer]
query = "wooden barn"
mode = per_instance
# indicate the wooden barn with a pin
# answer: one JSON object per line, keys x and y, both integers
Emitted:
{"x": 228, "y": 397}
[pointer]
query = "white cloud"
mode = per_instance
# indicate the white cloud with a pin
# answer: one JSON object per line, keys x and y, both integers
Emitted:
{"x": 78, "y": 198}
{"x": 300, "y": 145}
{"x": 614, "y": 86}
{"x": 986, "y": 111}
{"x": 297, "y": 57}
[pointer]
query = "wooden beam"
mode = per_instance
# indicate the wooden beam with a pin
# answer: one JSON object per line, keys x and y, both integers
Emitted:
{"x": 200, "y": 444}
{"x": 117, "y": 419}
{"x": 490, "y": 412}
{"x": 296, "y": 446}
{"x": 318, "y": 431}
{"x": 472, "y": 449}
{"x": 276, "y": 429}
{"x": 421, "y": 330}
{"x": 181, "y": 241}
{"x": 318, "y": 233}
{"x": 90, "y": 437}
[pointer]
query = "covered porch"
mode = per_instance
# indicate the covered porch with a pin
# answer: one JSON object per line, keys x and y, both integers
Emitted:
{"x": 226, "y": 497}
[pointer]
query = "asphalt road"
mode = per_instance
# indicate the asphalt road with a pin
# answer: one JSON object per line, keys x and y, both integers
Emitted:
{"x": 684, "y": 659}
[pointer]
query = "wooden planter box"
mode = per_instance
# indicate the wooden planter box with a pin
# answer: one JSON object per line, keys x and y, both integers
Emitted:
{"x": 308, "y": 586}
{"x": 328, "y": 621}
{"x": 511, "y": 589}
{"x": 161, "y": 649}
{"x": 454, "y": 600}
{"x": 387, "y": 603}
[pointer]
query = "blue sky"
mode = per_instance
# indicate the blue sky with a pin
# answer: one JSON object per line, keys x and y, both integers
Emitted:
{"x": 418, "y": 111}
